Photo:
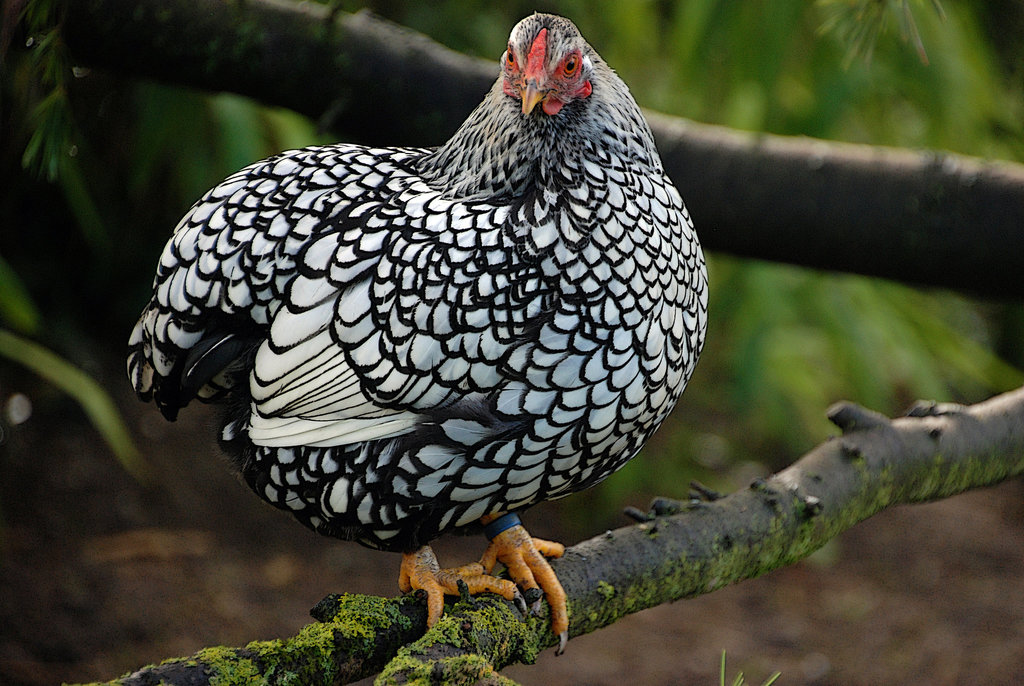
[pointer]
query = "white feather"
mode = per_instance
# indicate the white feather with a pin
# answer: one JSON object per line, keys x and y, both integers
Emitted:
{"x": 279, "y": 432}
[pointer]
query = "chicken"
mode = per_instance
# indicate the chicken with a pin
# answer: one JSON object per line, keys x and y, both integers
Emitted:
{"x": 410, "y": 342}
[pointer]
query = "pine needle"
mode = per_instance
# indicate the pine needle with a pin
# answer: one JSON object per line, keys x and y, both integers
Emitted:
{"x": 860, "y": 23}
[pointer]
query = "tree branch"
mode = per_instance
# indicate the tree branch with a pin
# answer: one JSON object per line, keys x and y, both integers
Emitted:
{"x": 875, "y": 464}
{"x": 356, "y": 637}
{"x": 926, "y": 217}
{"x": 372, "y": 79}
{"x": 923, "y": 217}
{"x": 936, "y": 219}
{"x": 934, "y": 452}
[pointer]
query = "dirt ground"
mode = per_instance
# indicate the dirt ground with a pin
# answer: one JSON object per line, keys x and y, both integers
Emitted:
{"x": 100, "y": 574}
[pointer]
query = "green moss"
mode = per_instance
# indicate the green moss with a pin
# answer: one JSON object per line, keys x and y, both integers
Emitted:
{"x": 605, "y": 589}
{"x": 469, "y": 643}
{"x": 227, "y": 667}
{"x": 452, "y": 671}
{"x": 312, "y": 656}
{"x": 945, "y": 477}
{"x": 480, "y": 633}
{"x": 360, "y": 617}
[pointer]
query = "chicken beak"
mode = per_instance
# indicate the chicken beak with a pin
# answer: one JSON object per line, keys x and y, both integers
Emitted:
{"x": 534, "y": 73}
{"x": 532, "y": 96}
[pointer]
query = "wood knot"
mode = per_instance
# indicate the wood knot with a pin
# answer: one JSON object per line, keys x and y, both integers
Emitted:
{"x": 851, "y": 451}
{"x": 930, "y": 408}
{"x": 853, "y": 417}
{"x": 811, "y": 506}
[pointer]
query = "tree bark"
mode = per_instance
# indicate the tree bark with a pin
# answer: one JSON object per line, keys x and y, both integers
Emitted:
{"x": 934, "y": 452}
{"x": 929, "y": 218}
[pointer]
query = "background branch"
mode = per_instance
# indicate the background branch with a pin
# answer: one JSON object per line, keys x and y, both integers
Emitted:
{"x": 876, "y": 463}
{"x": 922, "y": 217}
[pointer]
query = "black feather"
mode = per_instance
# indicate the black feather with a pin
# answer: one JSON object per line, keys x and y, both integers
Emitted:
{"x": 208, "y": 358}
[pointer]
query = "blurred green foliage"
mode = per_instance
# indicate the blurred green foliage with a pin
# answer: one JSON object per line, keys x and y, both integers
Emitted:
{"x": 125, "y": 159}
{"x": 859, "y": 23}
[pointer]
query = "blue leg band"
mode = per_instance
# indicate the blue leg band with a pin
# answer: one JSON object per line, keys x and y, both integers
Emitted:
{"x": 502, "y": 523}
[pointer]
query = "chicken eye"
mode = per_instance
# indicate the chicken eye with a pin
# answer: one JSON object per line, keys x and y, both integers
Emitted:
{"x": 571, "y": 66}
{"x": 510, "y": 57}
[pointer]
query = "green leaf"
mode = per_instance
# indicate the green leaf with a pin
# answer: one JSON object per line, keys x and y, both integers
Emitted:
{"x": 16, "y": 307}
{"x": 84, "y": 389}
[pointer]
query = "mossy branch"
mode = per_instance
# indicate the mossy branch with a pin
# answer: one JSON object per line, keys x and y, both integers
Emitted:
{"x": 356, "y": 637}
{"x": 934, "y": 452}
{"x": 920, "y": 217}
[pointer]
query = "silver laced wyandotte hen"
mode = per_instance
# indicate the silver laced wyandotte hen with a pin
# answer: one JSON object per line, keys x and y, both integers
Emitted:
{"x": 410, "y": 341}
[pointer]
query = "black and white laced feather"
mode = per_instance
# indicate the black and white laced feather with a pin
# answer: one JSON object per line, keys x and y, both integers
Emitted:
{"x": 409, "y": 339}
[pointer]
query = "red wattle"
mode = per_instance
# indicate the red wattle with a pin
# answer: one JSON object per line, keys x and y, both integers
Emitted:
{"x": 552, "y": 105}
